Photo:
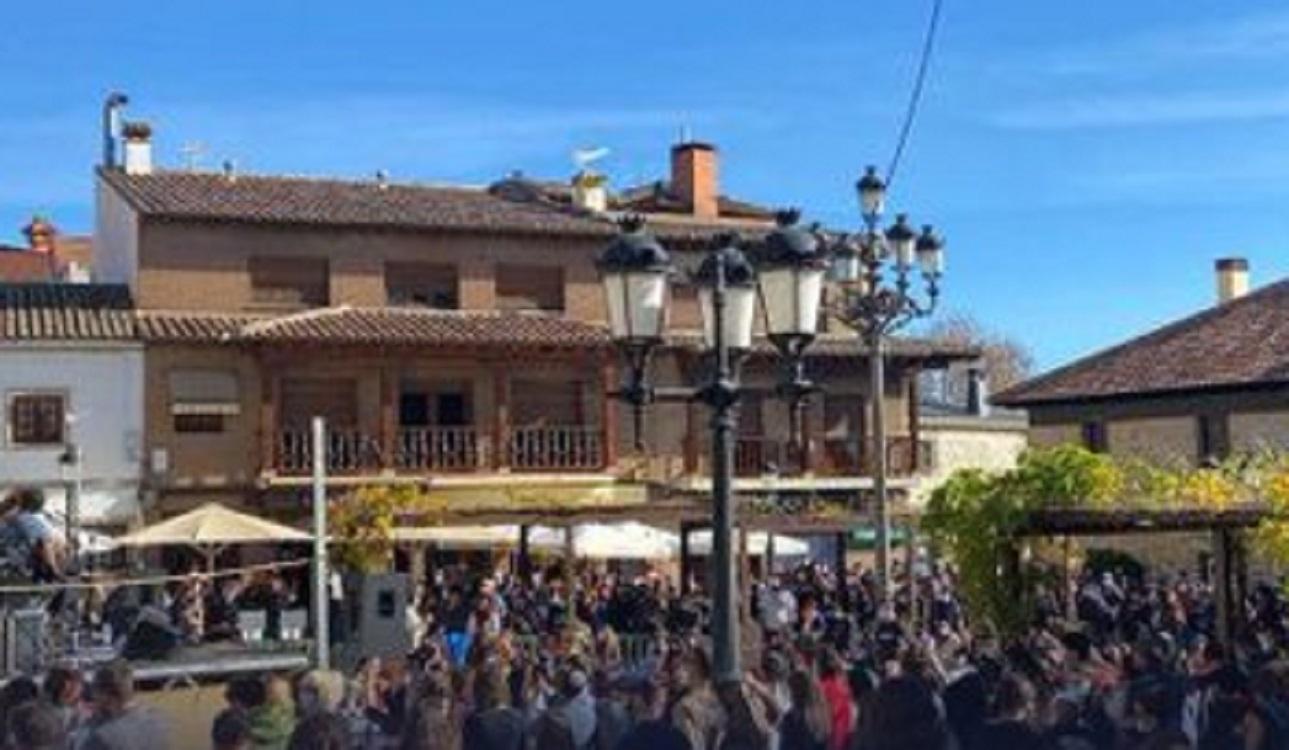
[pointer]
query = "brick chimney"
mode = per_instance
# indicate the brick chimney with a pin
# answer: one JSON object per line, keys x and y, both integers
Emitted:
{"x": 694, "y": 178}
{"x": 1232, "y": 279}
{"x": 41, "y": 236}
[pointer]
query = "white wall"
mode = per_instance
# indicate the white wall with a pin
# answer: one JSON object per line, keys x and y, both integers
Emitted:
{"x": 116, "y": 238}
{"x": 104, "y": 386}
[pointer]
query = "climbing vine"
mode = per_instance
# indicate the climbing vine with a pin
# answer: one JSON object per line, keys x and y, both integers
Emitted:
{"x": 974, "y": 516}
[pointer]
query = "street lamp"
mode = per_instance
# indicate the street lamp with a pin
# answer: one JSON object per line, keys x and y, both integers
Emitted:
{"x": 875, "y": 306}
{"x": 635, "y": 270}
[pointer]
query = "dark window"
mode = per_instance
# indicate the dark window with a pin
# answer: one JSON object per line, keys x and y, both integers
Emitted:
{"x": 530, "y": 288}
{"x": 422, "y": 285}
{"x": 1094, "y": 437}
{"x": 1211, "y": 438}
{"x": 36, "y": 418}
{"x": 452, "y": 411}
{"x": 199, "y": 423}
{"x": 289, "y": 282}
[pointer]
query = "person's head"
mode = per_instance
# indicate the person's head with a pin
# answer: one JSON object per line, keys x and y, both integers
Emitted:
{"x": 692, "y": 669}
{"x": 1015, "y": 697}
{"x": 904, "y": 716}
{"x": 113, "y": 687}
{"x": 554, "y": 732}
{"x": 37, "y": 725}
{"x": 62, "y": 686}
{"x": 28, "y": 499}
{"x": 230, "y": 731}
{"x": 319, "y": 691}
{"x": 324, "y": 731}
{"x": 808, "y": 699}
{"x": 277, "y": 690}
{"x": 245, "y": 693}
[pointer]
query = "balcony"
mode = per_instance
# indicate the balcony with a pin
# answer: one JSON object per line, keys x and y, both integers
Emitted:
{"x": 756, "y": 455}
{"x": 559, "y": 448}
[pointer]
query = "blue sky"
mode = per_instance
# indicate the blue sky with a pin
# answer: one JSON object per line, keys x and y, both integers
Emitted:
{"x": 1087, "y": 161}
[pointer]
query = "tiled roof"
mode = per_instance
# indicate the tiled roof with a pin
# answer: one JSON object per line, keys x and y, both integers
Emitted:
{"x": 411, "y": 326}
{"x": 167, "y": 326}
{"x": 841, "y": 345}
{"x": 656, "y": 196}
{"x": 1241, "y": 343}
{"x": 332, "y": 202}
{"x": 84, "y": 312}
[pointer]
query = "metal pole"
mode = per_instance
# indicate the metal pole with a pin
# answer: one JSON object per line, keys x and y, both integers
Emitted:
{"x": 877, "y": 380}
{"x": 321, "y": 578}
{"x": 725, "y": 622}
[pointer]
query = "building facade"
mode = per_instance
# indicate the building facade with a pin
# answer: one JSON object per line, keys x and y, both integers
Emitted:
{"x": 453, "y": 338}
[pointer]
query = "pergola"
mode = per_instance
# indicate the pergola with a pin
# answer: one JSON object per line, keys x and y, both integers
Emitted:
{"x": 1224, "y": 525}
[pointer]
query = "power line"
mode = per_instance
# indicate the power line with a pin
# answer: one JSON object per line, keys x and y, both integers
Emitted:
{"x": 915, "y": 96}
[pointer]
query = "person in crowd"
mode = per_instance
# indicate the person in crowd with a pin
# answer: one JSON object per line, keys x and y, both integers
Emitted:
{"x": 835, "y": 686}
{"x": 118, "y": 722}
{"x": 62, "y": 690}
{"x": 321, "y": 731}
{"x": 15, "y": 693}
{"x": 494, "y": 724}
{"x": 808, "y": 723}
{"x": 37, "y": 725}
{"x": 696, "y": 710}
{"x": 1012, "y": 724}
{"x": 231, "y": 731}
{"x": 433, "y": 723}
{"x": 42, "y": 544}
{"x": 905, "y": 717}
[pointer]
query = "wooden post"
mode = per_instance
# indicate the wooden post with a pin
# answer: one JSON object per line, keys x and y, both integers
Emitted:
{"x": 525, "y": 563}
{"x": 808, "y": 456}
{"x": 767, "y": 564}
{"x": 609, "y": 413}
{"x": 388, "y": 417}
{"x": 691, "y": 438}
{"x": 270, "y": 388}
{"x": 500, "y": 419}
{"x": 1222, "y": 584}
{"x": 915, "y": 431}
{"x": 686, "y": 565}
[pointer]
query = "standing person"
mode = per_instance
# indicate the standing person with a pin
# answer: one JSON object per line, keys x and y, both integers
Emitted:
{"x": 835, "y": 686}
{"x": 696, "y": 711}
{"x": 905, "y": 717}
{"x": 45, "y": 546}
{"x": 62, "y": 689}
{"x": 652, "y": 730}
{"x": 1012, "y": 725}
{"x": 37, "y": 725}
{"x": 433, "y": 723}
{"x": 118, "y": 722}
{"x": 494, "y": 725}
{"x": 808, "y": 723}
{"x": 273, "y": 720}
{"x": 231, "y": 731}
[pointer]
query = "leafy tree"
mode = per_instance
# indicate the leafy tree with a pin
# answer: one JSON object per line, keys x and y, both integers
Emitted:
{"x": 1007, "y": 360}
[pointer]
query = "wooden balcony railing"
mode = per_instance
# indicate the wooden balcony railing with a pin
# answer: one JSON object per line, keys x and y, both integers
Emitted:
{"x": 441, "y": 449}
{"x": 446, "y": 449}
{"x": 562, "y": 448}
{"x": 348, "y": 452}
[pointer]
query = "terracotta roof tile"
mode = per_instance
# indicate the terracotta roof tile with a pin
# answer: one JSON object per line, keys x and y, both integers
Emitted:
{"x": 1240, "y": 343}
{"x": 19, "y": 265}
{"x": 66, "y": 312}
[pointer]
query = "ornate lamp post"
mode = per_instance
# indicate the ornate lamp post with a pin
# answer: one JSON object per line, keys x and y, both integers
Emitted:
{"x": 875, "y": 269}
{"x": 635, "y": 272}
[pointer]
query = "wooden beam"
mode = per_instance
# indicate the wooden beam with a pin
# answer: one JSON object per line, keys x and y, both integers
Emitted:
{"x": 388, "y": 416}
{"x": 609, "y": 412}
{"x": 501, "y": 418}
{"x": 270, "y": 395}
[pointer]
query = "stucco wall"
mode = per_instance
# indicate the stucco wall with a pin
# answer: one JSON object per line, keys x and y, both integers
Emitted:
{"x": 116, "y": 238}
{"x": 103, "y": 385}
{"x": 1049, "y": 435}
{"x": 1252, "y": 431}
{"x": 954, "y": 448}
{"x": 1164, "y": 440}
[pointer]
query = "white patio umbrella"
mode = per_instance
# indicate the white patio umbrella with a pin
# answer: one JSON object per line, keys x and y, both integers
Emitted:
{"x": 700, "y": 543}
{"x": 630, "y": 540}
{"x": 460, "y": 537}
{"x": 209, "y": 529}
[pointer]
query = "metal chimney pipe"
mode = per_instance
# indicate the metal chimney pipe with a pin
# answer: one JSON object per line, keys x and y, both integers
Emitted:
{"x": 111, "y": 110}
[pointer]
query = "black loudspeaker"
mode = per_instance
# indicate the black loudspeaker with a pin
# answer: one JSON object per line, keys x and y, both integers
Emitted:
{"x": 375, "y": 611}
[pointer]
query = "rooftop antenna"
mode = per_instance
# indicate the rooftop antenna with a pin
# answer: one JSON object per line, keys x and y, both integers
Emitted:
{"x": 192, "y": 152}
{"x": 230, "y": 170}
{"x": 382, "y": 179}
{"x": 686, "y": 135}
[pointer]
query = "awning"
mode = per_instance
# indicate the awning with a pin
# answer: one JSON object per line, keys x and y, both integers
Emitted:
{"x": 611, "y": 541}
{"x": 700, "y": 543}
{"x": 194, "y": 391}
{"x": 96, "y": 506}
{"x": 460, "y": 537}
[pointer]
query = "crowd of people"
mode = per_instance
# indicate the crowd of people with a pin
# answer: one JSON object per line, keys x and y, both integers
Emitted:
{"x": 557, "y": 660}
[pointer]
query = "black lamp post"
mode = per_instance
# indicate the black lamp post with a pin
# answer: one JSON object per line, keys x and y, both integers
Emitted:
{"x": 634, "y": 270}
{"x": 875, "y": 306}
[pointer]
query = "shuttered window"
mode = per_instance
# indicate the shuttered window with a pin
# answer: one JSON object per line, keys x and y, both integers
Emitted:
{"x": 204, "y": 391}
{"x": 430, "y": 285}
{"x": 530, "y": 288}
{"x": 289, "y": 282}
{"x": 37, "y": 419}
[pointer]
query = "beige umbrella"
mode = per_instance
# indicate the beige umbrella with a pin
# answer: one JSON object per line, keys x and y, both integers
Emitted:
{"x": 210, "y": 528}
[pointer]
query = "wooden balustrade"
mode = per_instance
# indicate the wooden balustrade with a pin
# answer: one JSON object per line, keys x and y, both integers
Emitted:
{"x": 562, "y": 448}
{"x": 348, "y": 452}
{"x": 441, "y": 449}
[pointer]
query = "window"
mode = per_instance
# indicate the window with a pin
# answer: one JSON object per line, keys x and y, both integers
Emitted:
{"x": 202, "y": 399}
{"x": 421, "y": 285}
{"x": 289, "y": 282}
{"x": 1211, "y": 439}
{"x": 530, "y": 288}
{"x": 37, "y": 419}
{"x": 1094, "y": 437}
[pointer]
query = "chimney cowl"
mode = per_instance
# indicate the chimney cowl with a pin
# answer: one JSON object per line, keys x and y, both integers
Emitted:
{"x": 1232, "y": 275}
{"x": 138, "y": 147}
{"x": 590, "y": 191}
{"x": 136, "y": 130}
{"x": 40, "y": 233}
